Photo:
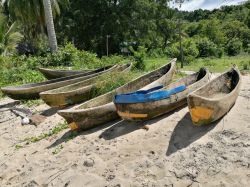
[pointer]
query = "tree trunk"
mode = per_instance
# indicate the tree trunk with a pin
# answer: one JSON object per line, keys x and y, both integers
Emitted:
{"x": 50, "y": 25}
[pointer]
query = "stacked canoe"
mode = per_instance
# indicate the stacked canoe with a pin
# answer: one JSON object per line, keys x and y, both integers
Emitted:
{"x": 55, "y": 73}
{"x": 75, "y": 93}
{"x": 147, "y": 105}
{"x": 32, "y": 91}
{"x": 102, "y": 109}
{"x": 208, "y": 101}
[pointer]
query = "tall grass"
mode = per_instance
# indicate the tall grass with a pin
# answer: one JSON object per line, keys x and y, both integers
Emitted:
{"x": 109, "y": 82}
{"x": 213, "y": 64}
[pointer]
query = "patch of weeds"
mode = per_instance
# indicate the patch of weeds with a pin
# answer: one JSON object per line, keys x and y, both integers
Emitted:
{"x": 30, "y": 103}
{"x": 209, "y": 62}
{"x": 57, "y": 149}
{"x": 111, "y": 81}
{"x": 244, "y": 65}
{"x": 17, "y": 146}
{"x": 60, "y": 127}
{"x": 1, "y": 94}
{"x": 178, "y": 75}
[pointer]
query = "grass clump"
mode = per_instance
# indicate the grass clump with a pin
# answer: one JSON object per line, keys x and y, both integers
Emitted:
{"x": 108, "y": 82}
{"x": 60, "y": 127}
{"x": 219, "y": 64}
{"x": 178, "y": 75}
{"x": 212, "y": 64}
{"x": 57, "y": 149}
{"x": 17, "y": 146}
{"x": 30, "y": 103}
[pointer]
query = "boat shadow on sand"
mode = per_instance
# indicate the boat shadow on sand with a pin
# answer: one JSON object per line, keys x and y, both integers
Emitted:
{"x": 49, "y": 112}
{"x": 69, "y": 135}
{"x": 122, "y": 128}
{"x": 185, "y": 133}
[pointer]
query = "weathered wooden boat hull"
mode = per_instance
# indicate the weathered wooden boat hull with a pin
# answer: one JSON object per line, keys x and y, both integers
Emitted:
{"x": 212, "y": 101}
{"x": 148, "y": 110}
{"x": 57, "y": 73}
{"x": 31, "y": 91}
{"x": 75, "y": 93}
{"x": 101, "y": 109}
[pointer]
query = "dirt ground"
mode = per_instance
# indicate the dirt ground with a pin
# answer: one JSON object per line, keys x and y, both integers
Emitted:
{"x": 169, "y": 152}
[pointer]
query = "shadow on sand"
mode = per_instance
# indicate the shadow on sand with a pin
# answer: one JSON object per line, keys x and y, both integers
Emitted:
{"x": 124, "y": 127}
{"x": 49, "y": 112}
{"x": 185, "y": 133}
{"x": 69, "y": 135}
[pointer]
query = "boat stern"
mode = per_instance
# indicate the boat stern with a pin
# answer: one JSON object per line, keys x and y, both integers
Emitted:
{"x": 53, "y": 101}
{"x": 201, "y": 114}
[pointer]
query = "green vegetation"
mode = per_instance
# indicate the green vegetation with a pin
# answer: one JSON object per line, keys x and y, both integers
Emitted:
{"x": 9, "y": 37}
{"x": 60, "y": 127}
{"x": 213, "y": 64}
{"x": 220, "y": 64}
{"x": 152, "y": 25}
{"x": 146, "y": 30}
{"x": 18, "y": 70}
{"x": 57, "y": 149}
{"x": 17, "y": 147}
{"x": 109, "y": 82}
{"x": 30, "y": 103}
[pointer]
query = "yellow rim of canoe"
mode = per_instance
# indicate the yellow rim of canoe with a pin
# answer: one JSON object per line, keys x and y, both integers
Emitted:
{"x": 132, "y": 115}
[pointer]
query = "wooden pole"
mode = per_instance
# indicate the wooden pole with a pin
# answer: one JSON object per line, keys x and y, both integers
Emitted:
{"x": 107, "y": 44}
{"x": 180, "y": 41}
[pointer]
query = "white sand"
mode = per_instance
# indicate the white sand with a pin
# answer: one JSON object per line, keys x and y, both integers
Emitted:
{"x": 172, "y": 152}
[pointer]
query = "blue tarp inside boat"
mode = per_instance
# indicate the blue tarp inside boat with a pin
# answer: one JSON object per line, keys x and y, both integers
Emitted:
{"x": 150, "y": 95}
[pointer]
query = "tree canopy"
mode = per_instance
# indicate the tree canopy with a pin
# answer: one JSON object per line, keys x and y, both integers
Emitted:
{"x": 151, "y": 24}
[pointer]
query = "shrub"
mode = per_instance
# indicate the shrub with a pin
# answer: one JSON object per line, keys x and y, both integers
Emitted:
{"x": 139, "y": 56}
{"x": 234, "y": 47}
{"x": 155, "y": 53}
{"x": 23, "y": 69}
{"x": 207, "y": 48}
{"x": 209, "y": 62}
{"x": 116, "y": 59}
{"x": 248, "y": 49}
{"x": 190, "y": 50}
{"x": 109, "y": 82}
{"x": 245, "y": 65}
{"x": 84, "y": 59}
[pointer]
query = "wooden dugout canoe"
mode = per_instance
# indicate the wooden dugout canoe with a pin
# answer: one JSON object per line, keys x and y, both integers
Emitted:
{"x": 58, "y": 73}
{"x": 153, "y": 107}
{"x": 75, "y": 93}
{"x": 31, "y": 91}
{"x": 102, "y": 110}
{"x": 215, "y": 99}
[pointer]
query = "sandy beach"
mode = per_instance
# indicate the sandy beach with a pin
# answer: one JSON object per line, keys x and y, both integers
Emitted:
{"x": 166, "y": 151}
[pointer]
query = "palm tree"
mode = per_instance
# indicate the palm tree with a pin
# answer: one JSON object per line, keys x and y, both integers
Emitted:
{"x": 50, "y": 25}
{"x": 36, "y": 16}
{"x": 9, "y": 38}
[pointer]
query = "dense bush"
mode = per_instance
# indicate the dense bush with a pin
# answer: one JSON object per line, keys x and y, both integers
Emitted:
{"x": 139, "y": 56}
{"x": 190, "y": 50}
{"x": 156, "y": 52}
{"x": 207, "y": 48}
{"x": 22, "y": 69}
{"x": 248, "y": 49}
{"x": 234, "y": 47}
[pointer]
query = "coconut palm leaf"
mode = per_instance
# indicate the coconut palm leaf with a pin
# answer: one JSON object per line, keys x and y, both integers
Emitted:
{"x": 9, "y": 37}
